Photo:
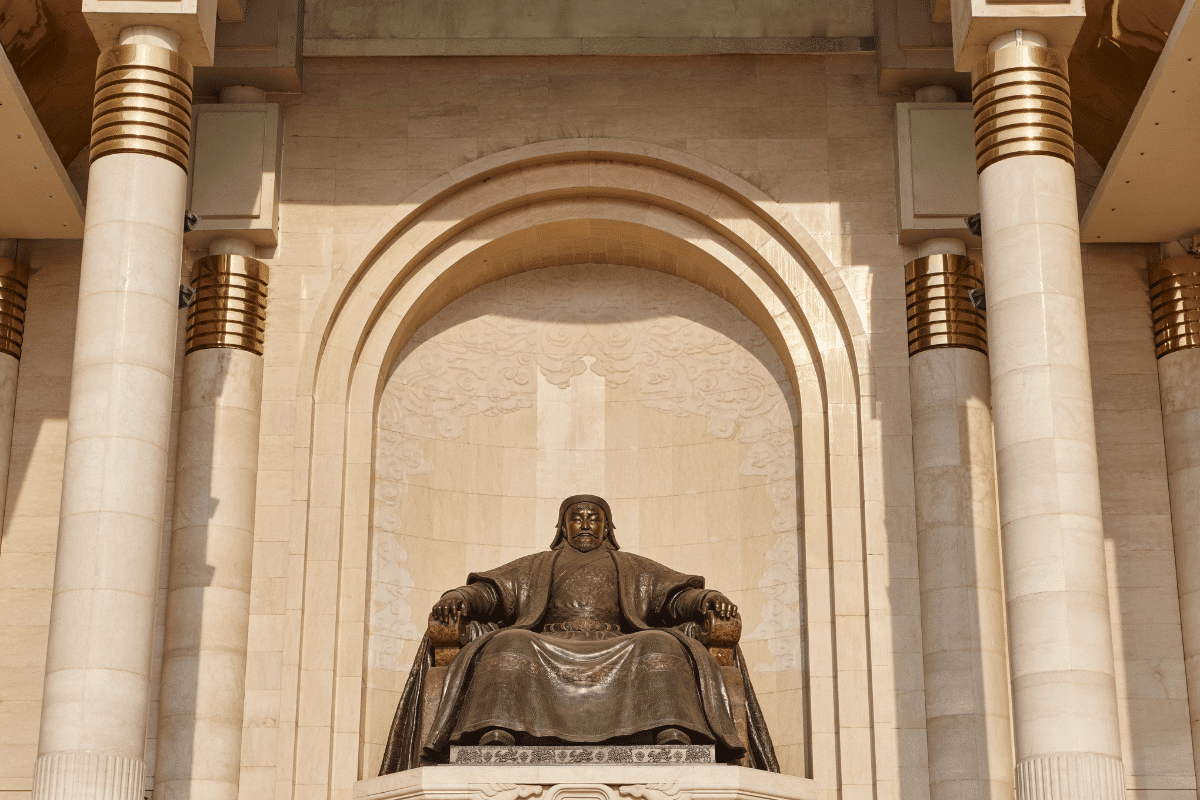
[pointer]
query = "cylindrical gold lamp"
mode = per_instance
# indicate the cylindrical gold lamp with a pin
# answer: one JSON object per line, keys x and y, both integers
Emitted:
{"x": 941, "y": 311}
{"x": 1022, "y": 106}
{"x": 231, "y": 303}
{"x": 14, "y": 293}
{"x": 1175, "y": 304}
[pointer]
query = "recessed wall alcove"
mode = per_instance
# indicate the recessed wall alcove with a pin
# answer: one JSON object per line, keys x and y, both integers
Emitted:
{"x": 692, "y": 248}
{"x": 603, "y": 379}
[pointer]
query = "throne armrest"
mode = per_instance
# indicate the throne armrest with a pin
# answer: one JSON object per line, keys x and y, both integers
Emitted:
{"x": 446, "y": 640}
{"x": 721, "y": 637}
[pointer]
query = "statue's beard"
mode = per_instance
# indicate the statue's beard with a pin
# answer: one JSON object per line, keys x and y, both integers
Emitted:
{"x": 585, "y": 544}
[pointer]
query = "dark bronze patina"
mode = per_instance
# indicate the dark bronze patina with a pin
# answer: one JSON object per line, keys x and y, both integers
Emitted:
{"x": 580, "y": 644}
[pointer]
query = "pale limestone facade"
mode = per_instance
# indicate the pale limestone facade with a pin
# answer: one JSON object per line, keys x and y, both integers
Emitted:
{"x": 676, "y": 281}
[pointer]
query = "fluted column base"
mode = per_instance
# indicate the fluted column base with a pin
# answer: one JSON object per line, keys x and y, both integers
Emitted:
{"x": 1071, "y": 776}
{"x": 88, "y": 776}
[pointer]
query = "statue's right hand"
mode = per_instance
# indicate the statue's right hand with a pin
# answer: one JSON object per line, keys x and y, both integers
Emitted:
{"x": 450, "y": 609}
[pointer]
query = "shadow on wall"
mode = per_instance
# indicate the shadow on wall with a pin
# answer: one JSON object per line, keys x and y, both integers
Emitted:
{"x": 29, "y": 537}
{"x": 188, "y": 653}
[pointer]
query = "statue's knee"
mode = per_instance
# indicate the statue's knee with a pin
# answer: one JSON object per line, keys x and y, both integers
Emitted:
{"x": 512, "y": 637}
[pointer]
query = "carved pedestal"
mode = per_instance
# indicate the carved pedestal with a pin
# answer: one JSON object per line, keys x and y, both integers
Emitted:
{"x": 586, "y": 782}
{"x": 587, "y": 754}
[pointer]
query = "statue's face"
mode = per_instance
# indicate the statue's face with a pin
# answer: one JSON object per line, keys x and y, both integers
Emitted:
{"x": 586, "y": 526}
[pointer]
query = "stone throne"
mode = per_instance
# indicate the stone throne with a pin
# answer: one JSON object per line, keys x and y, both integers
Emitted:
{"x": 721, "y": 637}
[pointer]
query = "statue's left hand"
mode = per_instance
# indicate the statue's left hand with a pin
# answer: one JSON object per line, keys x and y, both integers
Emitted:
{"x": 450, "y": 609}
{"x": 720, "y": 606}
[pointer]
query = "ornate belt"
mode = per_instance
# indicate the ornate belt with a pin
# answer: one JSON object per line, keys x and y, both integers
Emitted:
{"x": 580, "y": 625}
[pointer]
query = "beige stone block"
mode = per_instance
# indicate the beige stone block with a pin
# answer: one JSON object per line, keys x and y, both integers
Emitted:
{"x": 19, "y": 721}
{"x": 868, "y": 217}
{"x": 307, "y": 186}
{"x": 860, "y": 153}
{"x": 369, "y": 187}
{"x": 265, "y": 633}
{"x": 263, "y": 669}
{"x": 257, "y": 782}
{"x": 310, "y": 152}
{"x": 310, "y": 120}
{"x": 25, "y": 607}
{"x": 16, "y": 765}
{"x": 367, "y": 152}
{"x": 859, "y": 120}
{"x": 794, "y": 154}
{"x": 389, "y": 89}
{"x": 26, "y": 570}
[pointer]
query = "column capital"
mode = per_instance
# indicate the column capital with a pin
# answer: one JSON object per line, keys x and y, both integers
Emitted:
{"x": 194, "y": 22}
{"x": 976, "y": 23}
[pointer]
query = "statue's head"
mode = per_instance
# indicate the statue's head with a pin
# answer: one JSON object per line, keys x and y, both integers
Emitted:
{"x": 585, "y": 521}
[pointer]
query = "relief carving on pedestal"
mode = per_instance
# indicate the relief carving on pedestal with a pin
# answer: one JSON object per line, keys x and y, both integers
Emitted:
{"x": 654, "y": 791}
{"x": 510, "y": 791}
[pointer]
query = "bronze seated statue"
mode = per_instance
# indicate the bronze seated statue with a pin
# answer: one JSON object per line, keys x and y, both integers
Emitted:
{"x": 580, "y": 644}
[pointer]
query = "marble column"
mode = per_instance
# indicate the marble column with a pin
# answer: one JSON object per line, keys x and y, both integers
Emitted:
{"x": 1175, "y": 307}
{"x": 958, "y": 532}
{"x": 93, "y": 726}
{"x": 14, "y": 290}
{"x": 212, "y": 538}
{"x": 1060, "y": 640}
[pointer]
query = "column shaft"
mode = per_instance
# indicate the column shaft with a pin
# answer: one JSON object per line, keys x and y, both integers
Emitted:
{"x": 208, "y": 596}
{"x": 1064, "y": 696}
{"x": 958, "y": 547}
{"x": 93, "y": 726}
{"x": 1175, "y": 303}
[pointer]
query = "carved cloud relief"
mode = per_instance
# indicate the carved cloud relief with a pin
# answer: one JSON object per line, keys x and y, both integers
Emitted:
{"x": 482, "y": 355}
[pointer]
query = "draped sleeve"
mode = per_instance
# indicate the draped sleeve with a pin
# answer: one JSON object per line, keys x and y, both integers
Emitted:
{"x": 522, "y": 586}
{"x": 647, "y": 590}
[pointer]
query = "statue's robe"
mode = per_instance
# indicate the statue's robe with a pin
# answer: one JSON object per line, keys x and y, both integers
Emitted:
{"x": 655, "y": 611}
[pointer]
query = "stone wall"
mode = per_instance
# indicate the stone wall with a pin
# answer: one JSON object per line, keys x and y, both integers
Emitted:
{"x": 594, "y": 27}
{"x": 1152, "y": 702}
{"x": 812, "y": 134}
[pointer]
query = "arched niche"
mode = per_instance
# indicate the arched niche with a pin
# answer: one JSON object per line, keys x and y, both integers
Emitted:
{"x": 573, "y": 202}
{"x": 589, "y": 378}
